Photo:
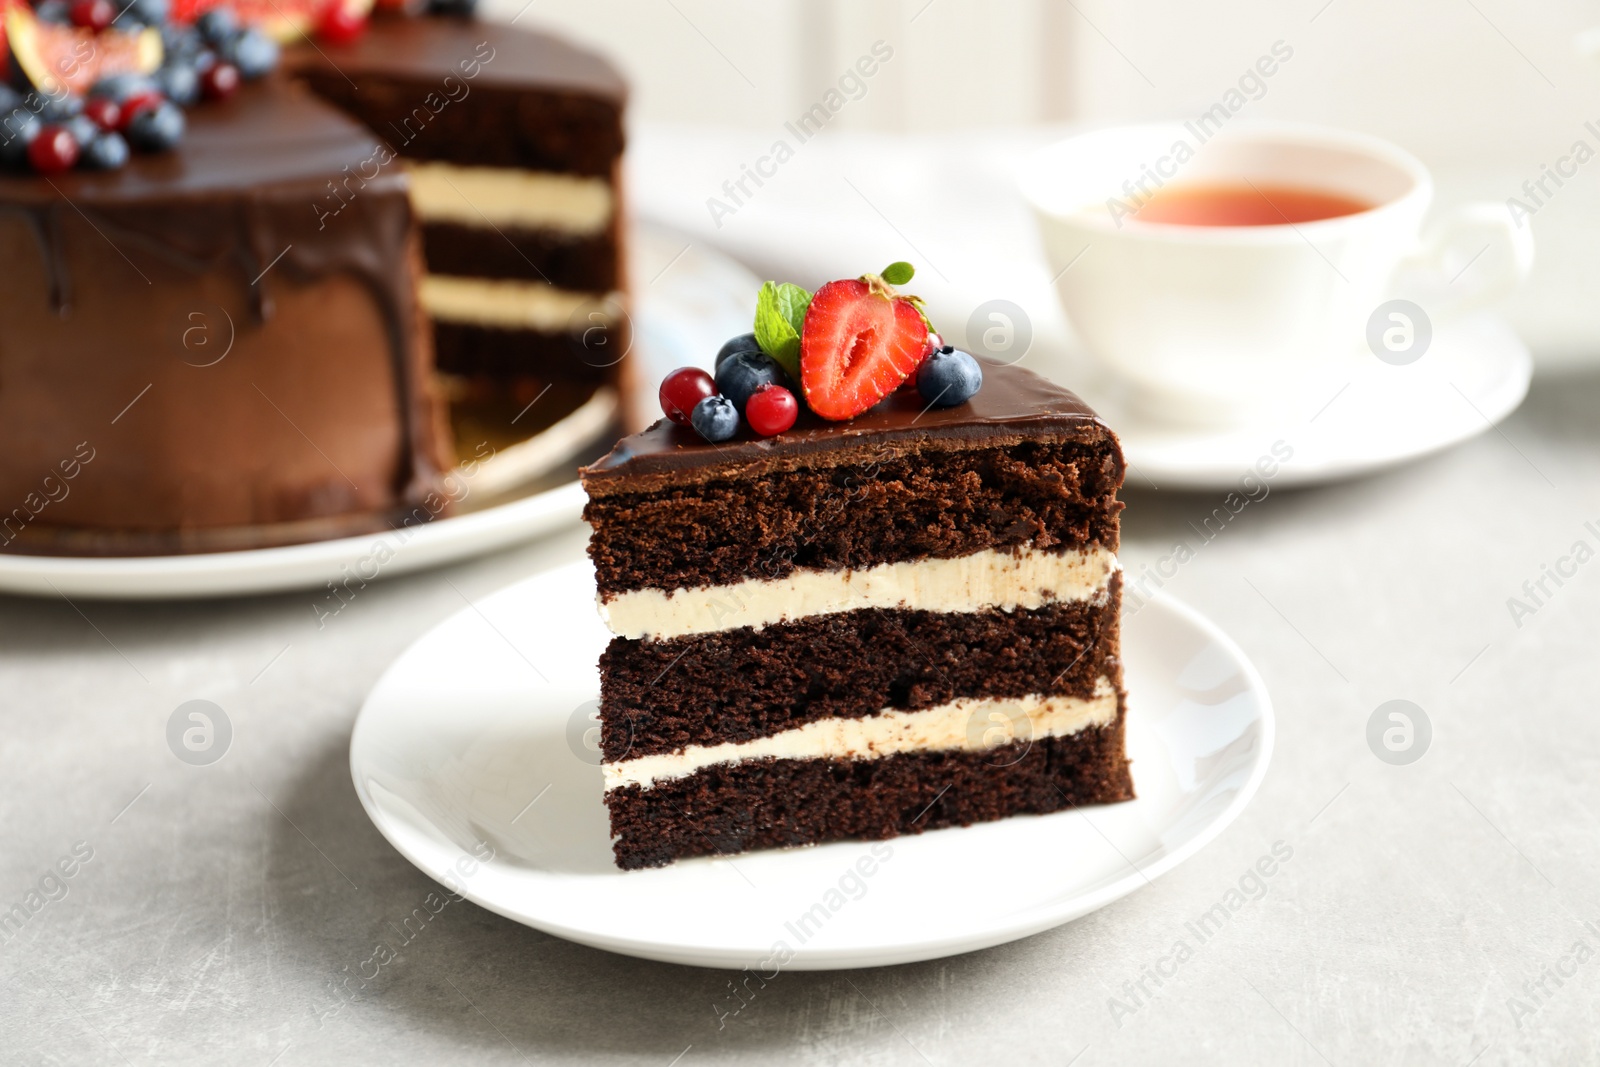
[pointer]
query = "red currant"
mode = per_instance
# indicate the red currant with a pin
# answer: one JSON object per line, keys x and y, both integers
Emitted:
{"x": 103, "y": 111}
{"x": 682, "y": 390}
{"x": 341, "y": 24}
{"x": 54, "y": 151}
{"x": 94, "y": 15}
{"x": 137, "y": 102}
{"x": 219, "y": 81}
{"x": 771, "y": 410}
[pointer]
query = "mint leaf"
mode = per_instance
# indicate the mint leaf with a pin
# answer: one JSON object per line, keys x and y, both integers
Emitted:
{"x": 898, "y": 273}
{"x": 780, "y": 316}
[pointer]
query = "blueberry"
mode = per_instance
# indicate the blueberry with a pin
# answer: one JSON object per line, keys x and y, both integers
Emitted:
{"x": 949, "y": 377}
{"x": 184, "y": 41}
{"x": 82, "y": 128}
{"x": 10, "y": 100}
{"x": 253, "y": 52}
{"x": 156, "y": 129}
{"x": 715, "y": 418}
{"x": 144, "y": 12}
{"x": 745, "y": 342}
{"x": 742, "y": 373}
{"x": 106, "y": 152}
{"x": 17, "y": 131}
{"x": 179, "y": 81}
{"x": 53, "y": 108}
{"x": 461, "y": 9}
{"x": 218, "y": 26}
{"x": 56, "y": 11}
{"x": 119, "y": 87}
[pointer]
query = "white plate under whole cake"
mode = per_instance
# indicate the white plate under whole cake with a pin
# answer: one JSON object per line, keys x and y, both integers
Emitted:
{"x": 485, "y": 776}
{"x": 688, "y": 299}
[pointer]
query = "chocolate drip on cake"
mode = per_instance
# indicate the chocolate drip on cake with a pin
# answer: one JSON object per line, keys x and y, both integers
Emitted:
{"x": 236, "y": 213}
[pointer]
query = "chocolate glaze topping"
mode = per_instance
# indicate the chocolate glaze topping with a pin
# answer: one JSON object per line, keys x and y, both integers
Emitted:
{"x": 537, "y": 102}
{"x": 1012, "y": 403}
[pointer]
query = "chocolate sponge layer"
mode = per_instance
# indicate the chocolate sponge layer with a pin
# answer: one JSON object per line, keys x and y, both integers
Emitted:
{"x": 1051, "y": 495}
{"x": 585, "y": 264}
{"x": 734, "y": 807}
{"x": 659, "y": 696}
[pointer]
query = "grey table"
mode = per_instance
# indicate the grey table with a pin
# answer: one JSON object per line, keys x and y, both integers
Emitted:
{"x": 1435, "y": 912}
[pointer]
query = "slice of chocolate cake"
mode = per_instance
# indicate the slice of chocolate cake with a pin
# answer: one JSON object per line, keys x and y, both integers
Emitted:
{"x": 863, "y": 628}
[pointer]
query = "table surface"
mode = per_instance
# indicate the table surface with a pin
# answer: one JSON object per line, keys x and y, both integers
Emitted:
{"x": 1435, "y": 912}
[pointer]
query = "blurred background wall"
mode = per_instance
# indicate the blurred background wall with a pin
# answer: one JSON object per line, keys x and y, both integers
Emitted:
{"x": 1487, "y": 92}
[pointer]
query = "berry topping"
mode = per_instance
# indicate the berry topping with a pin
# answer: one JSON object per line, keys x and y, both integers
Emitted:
{"x": 220, "y": 81}
{"x": 715, "y": 418}
{"x": 53, "y": 151}
{"x": 103, "y": 111}
{"x": 861, "y": 340}
{"x": 218, "y": 26}
{"x": 682, "y": 390}
{"x": 744, "y": 372}
{"x": 342, "y": 24}
{"x": 771, "y": 410}
{"x": 144, "y": 13}
{"x": 138, "y": 103}
{"x": 95, "y": 68}
{"x": 253, "y": 52}
{"x": 121, "y": 87}
{"x": 156, "y": 129}
{"x": 745, "y": 342}
{"x": 53, "y": 108}
{"x": 82, "y": 128}
{"x": 179, "y": 81}
{"x": 94, "y": 15}
{"x": 108, "y": 151}
{"x": 949, "y": 377}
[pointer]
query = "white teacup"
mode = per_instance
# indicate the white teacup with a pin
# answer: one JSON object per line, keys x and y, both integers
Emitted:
{"x": 1217, "y": 323}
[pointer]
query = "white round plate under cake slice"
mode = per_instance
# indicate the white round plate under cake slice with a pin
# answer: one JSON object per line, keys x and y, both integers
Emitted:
{"x": 474, "y": 757}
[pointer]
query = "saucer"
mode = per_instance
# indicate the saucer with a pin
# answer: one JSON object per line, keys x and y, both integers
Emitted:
{"x": 1375, "y": 415}
{"x": 473, "y": 756}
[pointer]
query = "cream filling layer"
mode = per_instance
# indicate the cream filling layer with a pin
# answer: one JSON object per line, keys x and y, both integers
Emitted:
{"x": 1008, "y": 581}
{"x": 966, "y": 725}
{"x": 503, "y": 196}
{"x": 513, "y": 305}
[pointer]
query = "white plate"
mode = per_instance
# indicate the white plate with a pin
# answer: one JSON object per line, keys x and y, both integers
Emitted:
{"x": 688, "y": 299}
{"x": 476, "y": 741}
{"x": 1377, "y": 415}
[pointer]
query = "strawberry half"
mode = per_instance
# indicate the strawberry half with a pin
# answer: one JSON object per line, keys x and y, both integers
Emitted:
{"x": 860, "y": 341}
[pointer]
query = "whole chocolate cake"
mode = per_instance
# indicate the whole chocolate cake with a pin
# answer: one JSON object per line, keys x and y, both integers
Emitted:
{"x": 228, "y": 334}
